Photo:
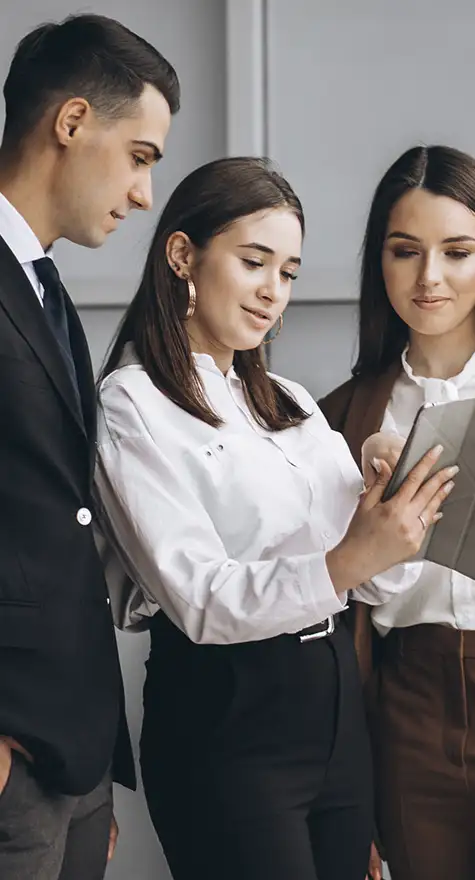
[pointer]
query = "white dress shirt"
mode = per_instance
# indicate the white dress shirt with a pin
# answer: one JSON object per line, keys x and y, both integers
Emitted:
{"x": 22, "y": 241}
{"x": 224, "y": 528}
{"x": 440, "y": 595}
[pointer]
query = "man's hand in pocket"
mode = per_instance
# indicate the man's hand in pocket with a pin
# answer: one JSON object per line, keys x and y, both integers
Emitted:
{"x": 7, "y": 745}
{"x": 5, "y": 763}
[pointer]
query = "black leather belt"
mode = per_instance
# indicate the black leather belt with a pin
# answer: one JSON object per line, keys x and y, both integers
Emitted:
{"x": 319, "y": 630}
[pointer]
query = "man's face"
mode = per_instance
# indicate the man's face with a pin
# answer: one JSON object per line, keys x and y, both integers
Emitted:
{"x": 106, "y": 171}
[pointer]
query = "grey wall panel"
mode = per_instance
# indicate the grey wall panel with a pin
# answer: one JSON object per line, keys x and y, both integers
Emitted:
{"x": 317, "y": 345}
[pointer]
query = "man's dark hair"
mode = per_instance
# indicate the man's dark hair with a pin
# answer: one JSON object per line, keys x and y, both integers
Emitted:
{"x": 87, "y": 56}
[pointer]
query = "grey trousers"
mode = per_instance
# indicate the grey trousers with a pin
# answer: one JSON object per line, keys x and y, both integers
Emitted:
{"x": 50, "y": 836}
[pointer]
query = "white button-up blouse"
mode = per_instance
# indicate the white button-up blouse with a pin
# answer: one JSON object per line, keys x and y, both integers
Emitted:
{"x": 440, "y": 595}
{"x": 224, "y": 528}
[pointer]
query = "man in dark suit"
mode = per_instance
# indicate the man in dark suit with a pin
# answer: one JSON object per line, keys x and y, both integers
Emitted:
{"x": 88, "y": 107}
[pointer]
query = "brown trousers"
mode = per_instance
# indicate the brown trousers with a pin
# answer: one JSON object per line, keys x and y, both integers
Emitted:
{"x": 425, "y": 753}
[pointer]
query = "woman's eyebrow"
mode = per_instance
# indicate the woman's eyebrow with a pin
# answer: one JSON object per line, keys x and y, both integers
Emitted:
{"x": 268, "y": 250}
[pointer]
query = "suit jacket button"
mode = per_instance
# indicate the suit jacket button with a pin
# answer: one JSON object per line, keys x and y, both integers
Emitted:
{"x": 84, "y": 516}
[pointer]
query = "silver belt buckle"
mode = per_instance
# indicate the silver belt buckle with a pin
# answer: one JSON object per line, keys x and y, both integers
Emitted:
{"x": 310, "y": 637}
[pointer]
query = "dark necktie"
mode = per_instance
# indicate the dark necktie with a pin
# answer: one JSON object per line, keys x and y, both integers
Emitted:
{"x": 56, "y": 315}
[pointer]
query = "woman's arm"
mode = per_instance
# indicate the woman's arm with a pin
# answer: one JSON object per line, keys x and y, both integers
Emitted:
{"x": 171, "y": 549}
{"x": 174, "y": 553}
{"x": 178, "y": 559}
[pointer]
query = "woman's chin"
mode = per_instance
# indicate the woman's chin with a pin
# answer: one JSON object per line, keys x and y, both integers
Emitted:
{"x": 248, "y": 341}
{"x": 431, "y": 325}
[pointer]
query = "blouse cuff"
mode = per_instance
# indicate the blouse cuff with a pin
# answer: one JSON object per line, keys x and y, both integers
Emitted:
{"x": 317, "y": 587}
{"x": 393, "y": 582}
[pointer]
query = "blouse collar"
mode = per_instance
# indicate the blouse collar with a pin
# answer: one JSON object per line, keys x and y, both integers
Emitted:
{"x": 206, "y": 362}
{"x": 435, "y": 389}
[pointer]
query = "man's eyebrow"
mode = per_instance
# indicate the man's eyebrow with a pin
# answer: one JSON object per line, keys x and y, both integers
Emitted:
{"x": 267, "y": 250}
{"x": 157, "y": 154}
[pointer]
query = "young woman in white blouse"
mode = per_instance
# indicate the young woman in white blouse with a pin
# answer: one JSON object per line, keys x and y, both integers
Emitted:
{"x": 417, "y": 344}
{"x": 236, "y": 512}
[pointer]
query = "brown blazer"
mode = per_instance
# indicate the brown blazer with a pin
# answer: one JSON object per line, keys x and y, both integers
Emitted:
{"x": 356, "y": 409}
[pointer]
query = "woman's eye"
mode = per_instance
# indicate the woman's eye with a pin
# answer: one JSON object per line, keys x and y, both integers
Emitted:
{"x": 404, "y": 253}
{"x": 289, "y": 276}
{"x": 253, "y": 264}
{"x": 457, "y": 254}
{"x": 139, "y": 160}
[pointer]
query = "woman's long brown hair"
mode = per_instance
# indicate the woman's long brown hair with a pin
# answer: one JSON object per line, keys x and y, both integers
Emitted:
{"x": 207, "y": 202}
{"x": 440, "y": 170}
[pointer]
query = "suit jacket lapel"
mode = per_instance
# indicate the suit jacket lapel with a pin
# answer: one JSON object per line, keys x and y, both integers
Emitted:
{"x": 366, "y": 411}
{"x": 23, "y": 308}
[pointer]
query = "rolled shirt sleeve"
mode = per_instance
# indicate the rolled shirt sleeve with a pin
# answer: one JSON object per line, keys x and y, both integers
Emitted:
{"x": 176, "y": 559}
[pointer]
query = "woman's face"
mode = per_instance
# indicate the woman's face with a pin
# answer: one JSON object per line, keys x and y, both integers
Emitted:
{"x": 243, "y": 280}
{"x": 428, "y": 262}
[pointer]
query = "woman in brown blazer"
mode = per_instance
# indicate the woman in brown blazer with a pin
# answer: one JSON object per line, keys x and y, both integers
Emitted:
{"x": 417, "y": 344}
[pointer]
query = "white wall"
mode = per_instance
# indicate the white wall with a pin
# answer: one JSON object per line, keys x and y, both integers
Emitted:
{"x": 349, "y": 87}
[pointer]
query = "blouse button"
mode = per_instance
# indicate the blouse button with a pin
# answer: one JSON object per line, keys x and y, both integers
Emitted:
{"x": 208, "y": 452}
{"x": 220, "y": 447}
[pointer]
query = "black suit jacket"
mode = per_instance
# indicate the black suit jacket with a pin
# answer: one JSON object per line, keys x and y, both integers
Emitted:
{"x": 61, "y": 692}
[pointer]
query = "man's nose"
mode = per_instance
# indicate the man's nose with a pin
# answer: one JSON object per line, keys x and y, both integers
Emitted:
{"x": 140, "y": 196}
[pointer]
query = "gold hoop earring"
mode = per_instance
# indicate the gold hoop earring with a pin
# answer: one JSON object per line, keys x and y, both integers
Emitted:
{"x": 281, "y": 324}
{"x": 191, "y": 298}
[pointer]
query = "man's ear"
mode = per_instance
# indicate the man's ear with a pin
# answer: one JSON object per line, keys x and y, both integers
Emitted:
{"x": 180, "y": 253}
{"x": 70, "y": 118}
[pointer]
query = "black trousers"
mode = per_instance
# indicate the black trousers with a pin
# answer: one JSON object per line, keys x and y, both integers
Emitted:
{"x": 255, "y": 758}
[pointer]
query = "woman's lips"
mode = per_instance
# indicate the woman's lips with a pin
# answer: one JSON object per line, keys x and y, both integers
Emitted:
{"x": 431, "y": 305}
{"x": 259, "y": 319}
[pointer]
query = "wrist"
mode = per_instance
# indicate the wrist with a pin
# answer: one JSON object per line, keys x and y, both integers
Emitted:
{"x": 345, "y": 573}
